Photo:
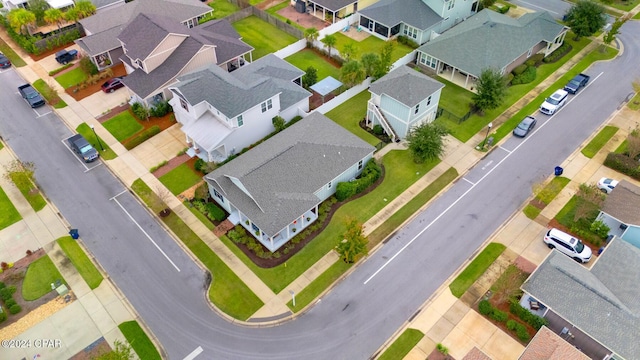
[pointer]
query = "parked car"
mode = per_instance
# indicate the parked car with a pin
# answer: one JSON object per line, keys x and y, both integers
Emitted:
{"x": 81, "y": 146}
{"x": 31, "y": 95}
{"x": 4, "y": 62}
{"x": 576, "y": 83}
{"x": 66, "y": 56}
{"x": 606, "y": 185}
{"x": 525, "y": 126}
{"x": 554, "y": 102}
{"x": 568, "y": 245}
{"x": 112, "y": 85}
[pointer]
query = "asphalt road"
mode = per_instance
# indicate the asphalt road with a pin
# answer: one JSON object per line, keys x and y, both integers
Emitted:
{"x": 351, "y": 322}
{"x": 556, "y": 8}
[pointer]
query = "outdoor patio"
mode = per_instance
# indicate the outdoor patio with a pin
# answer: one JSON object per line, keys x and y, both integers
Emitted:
{"x": 305, "y": 20}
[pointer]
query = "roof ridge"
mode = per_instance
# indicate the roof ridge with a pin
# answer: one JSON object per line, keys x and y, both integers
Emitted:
{"x": 613, "y": 301}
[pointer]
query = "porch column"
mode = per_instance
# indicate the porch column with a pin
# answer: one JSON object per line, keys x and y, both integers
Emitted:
{"x": 453, "y": 71}
{"x": 271, "y": 241}
{"x": 466, "y": 80}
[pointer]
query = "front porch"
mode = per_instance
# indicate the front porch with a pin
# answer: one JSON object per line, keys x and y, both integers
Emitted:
{"x": 458, "y": 77}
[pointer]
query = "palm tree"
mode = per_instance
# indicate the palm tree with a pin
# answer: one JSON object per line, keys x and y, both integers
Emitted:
{"x": 349, "y": 51}
{"x": 311, "y": 34}
{"x": 85, "y": 8}
{"x": 330, "y": 42}
{"x": 72, "y": 15}
{"x": 20, "y": 19}
{"x": 352, "y": 73}
{"x": 53, "y": 16}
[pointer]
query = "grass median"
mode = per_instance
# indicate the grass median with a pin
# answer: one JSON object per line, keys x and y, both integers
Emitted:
{"x": 403, "y": 345}
{"x": 545, "y": 195}
{"x": 599, "y": 141}
{"x": 97, "y": 143}
{"x": 10, "y": 214}
{"x": 475, "y": 269}
{"x": 139, "y": 341}
{"x": 81, "y": 261}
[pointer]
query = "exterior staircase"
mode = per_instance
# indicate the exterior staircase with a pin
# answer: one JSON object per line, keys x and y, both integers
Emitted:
{"x": 383, "y": 122}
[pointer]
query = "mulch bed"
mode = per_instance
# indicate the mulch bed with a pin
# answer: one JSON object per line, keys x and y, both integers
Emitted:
{"x": 382, "y": 137}
{"x": 48, "y": 52}
{"x": 14, "y": 276}
{"x": 80, "y": 94}
{"x": 273, "y": 262}
{"x": 97, "y": 348}
{"x": 172, "y": 164}
{"x": 553, "y": 223}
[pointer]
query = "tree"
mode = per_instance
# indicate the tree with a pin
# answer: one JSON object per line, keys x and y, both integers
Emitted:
{"x": 310, "y": 77}
{"x": 278, "y": 123}
{"x": 85, "y": 8}
{"x": 585, "y": 18}
{"x": 72, "y": 15}
{"x": 349, "y": 50}
{"x": 426, "y": 142}
{"x": 615, "y": 29}
{"x": 53, "y": 16}
{"x": 20, "y": 19}
{"x": 384, "y": 65}
{"x": 370, "y": 63}
{"x": 590, "y": 200}
{"x": 330, "y": 42}
{"x": 121, "y": 352}
{"x": 21, "y": 173}
{"x": 352, "y": 73}
{"x": 633, "y": 143}
{"x": 311, "y": 34}
{"x": 486, "y": 3}
{"x": 353, "y": 244}
{"x": 38, "y": 8}
{"x": 491, "y": 90}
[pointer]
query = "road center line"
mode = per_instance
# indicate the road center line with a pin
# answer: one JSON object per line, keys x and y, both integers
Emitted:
{"x": 466, "y": 192}
{"x": 194, "y": 353}
{"x": 145, "y": 233}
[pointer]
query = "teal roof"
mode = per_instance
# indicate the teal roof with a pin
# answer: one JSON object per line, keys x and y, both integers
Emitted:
{"x": 491, "y": 40}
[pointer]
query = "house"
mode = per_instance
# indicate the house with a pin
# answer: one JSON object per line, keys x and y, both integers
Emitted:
{"x": 222, "y": 113}
{"x": 550, "y": 346}
{"x": 157, "y": 50}
{"x": 101, "y": 43}
{"x": 401, "y": 100}
{"x": 596, "y": 307}
{"x": 419, "y": 20}
{"x": 621, "y": 212}
{"x": 490, "y": 40}
{"x": 274, "y": 190}
{"x": 60, "y": 4}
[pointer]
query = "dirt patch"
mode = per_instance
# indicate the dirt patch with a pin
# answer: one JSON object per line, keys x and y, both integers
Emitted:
{"x": 97, "y": 348}
{"x": 537, "y": 203}
{"x": 79, "y": 94}
{"x": 172, "y": 164}
{"x": 437, "y": 355}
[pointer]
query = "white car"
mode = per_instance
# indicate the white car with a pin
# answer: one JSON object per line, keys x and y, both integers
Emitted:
{"x": 568, "y": 245}
{"x": 554, "y": 102}
{"x": 606, "y": 185}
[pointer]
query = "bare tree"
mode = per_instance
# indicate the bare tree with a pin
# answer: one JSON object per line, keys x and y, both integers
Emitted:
{"x": 21, "y": 173}
{"x": 591, "y": 199}
{"x": 633, "y": 143}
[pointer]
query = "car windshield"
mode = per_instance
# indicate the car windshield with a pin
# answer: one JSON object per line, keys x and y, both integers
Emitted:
{"x": 85, "y": 148}
{"x": 552, "y": 101}
{"x": 579, "y": 246}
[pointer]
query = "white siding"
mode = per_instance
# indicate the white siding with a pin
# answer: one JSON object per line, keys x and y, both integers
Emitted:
{"x": 294, "y": 110}
{"x": 396, "y": 113}
{"x": 224, "y": 204}
{"x": 325, "y": 192}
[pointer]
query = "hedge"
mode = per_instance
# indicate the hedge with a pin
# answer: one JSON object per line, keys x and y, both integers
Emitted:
{"x": 526, "y": 77}
{"x": 558, "y": 53}
{"x": 527, "y": 316}
{"x": 213, "y": 211}
{"x": 142, "y": 137}
{"x": 519, "y": 69}
{"x": 370, "y": 174}
{"x": 623, "y": 164}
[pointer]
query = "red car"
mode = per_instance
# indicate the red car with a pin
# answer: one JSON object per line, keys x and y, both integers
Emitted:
{"x": 112, "y": 85}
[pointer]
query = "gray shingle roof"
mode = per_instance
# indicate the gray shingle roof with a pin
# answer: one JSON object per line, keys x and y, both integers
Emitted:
{"x": 283, "y": 173}
{"x": 146, "y": 32}
{"x": 252, "y": 84}
{"x": 334, "y": 5}
{"x": 225, "y": 37}
{"x": 491, "y": 40}
{"x": 624, "y": 203}
{"x": 406, "y": 85}
{"x": 411, "y": 12}
{"x": 104, "y": 3}
{"x": 179, "y": 10}
{"x": 101, "y": 42}
{"x": 602, "y": 302}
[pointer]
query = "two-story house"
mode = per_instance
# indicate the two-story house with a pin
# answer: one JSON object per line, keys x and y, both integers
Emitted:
{"x": 402, "y": 100}
{"x": 157, "y": 50}
{"x": 419, "y": 20}
{"x": 223, "y": 112}
{"x": 274, "y": 190}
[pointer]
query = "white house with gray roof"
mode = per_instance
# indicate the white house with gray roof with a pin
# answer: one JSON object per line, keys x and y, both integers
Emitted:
{"x": 100, "y": 42}
{"x": 490, "y": 40}
{"x": 419, "y": 20}
{"x": 621, "y": 212}
{"x": 602, "y": 302}
{"x": 157, "y": 50}
{"x": 275, "y": 189}
{"x": 223, "y": 112}
{"x": 402, "y": 100}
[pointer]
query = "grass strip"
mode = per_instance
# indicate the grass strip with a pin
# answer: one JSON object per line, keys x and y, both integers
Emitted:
{"x": 81, "y": 261}
{"x": 139, "y": 341}
{"x": 227, "y": 291}
{"x": 475, "y": 269}
{"x": 599, "y": 141}
{"x": 30, "y": 193}
{"x": 318, "y": 285}
{"x": 15, "y": 59}
{"x": 49, "y": 94}
{"x": 10, "y": 214}
{"x": 96, "y": 142}
{"x": 403, "y": 344}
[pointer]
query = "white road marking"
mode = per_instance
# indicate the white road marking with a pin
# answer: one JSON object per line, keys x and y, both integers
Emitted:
{"x": 468, "y": 191}
{"x": 146, "y": 234}
{"x": 86, "y": 168}
{"x": 40, "y": 115}
{"x": 465, "y": 179}
{"x": 539, "y": 7}
{"x": 508, "y": 151}
{"x": 487, "y": 164}
{"x": 118, "y": 194}
{"x": 194, "y": 353}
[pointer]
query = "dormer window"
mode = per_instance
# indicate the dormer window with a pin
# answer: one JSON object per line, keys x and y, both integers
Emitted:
{"x": 139, "y": 63}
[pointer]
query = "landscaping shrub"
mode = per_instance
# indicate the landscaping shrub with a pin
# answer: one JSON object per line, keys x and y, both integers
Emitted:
{"x": 370, "y": 174}
{"x": 15, "y": 309}
{"x": 140, "y": 111}
{"x": 142, "y": 137}
{"x": 537, "y": 59}
{"x": 5, "y": 294}
{"x": 202, "y": 192}
{"x": 3, "y": 316}
{"x": 511, "y": 324}
{"x": 9, "y": 303}
{"x": 522, "y": 332}
{"x": 558, "y": 53}
{"x": 498, "y": 315}
{"x": 88, "y": 67}
{"x": 526, "y": 77}
{"x": 377, "y": 129}
{"x": 214, "y": 212}
{"x": 160, "y": 109}
{"x": 28, "y": 43}
{"x": 64, "y": 67}
{"x": 12, "y": 289}
{"x": 509, "y": 77}
{"x": 519, "y": 69}
{"x": 530, "y": 62}
{"x": 623, "y": 164}
{"x": 198, "y": 164}
{"x": 161, "y": 164}
{"x": 407, "y": 41}
{"x": 294, "y": 120}
{"x": 600, "y": 228}
{"x": 527, "y": 316}
{"x": 485, "y": 308}
{"x": 278, "y": 123}
{"x": 2, "y": 285}
{"x": 503, "y": 9}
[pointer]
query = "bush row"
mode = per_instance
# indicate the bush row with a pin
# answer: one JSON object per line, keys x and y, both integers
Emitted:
{"x": 623, "y": 164}
{"x": 370, "y": 174}
{"x": 485, "y": 308}
{"x": 527, "y": 76}
{"x": 520, "y": 330}
{"x": 63, "y": 67}
{"x": 142, "y": 137}
{"x": 406, "y": 41}
{"x": 527, "y": 316}
{"x": 558, "y": 53}
{"x": 6, "y": 294}
{"x": 210, "y": 210}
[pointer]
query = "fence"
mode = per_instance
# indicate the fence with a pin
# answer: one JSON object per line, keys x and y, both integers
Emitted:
{"x": 265, "y": 16}
{"x": 450, "y": 115}
{"x": 291, "y": 49}
{"x": 348, "y": 94}
{"x": 409, "y": 58}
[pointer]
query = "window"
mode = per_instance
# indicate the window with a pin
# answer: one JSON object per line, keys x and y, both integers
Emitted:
{"x": 218, "y": 195}
{"x": 529, "y": 53}
{"x": 240, "y": 121}
{"x": 183, "y": 104}
{"x": 428, "y": 60}
{"x": 360, "y": 165}
{"x": 451, "y": 4}
{"x": 329, "y": 185}
{"x": 429, "y": 101}
{"x": 267, "y": 105}
{"x": 415, "y": 111}
{"x": 410, "y": 31}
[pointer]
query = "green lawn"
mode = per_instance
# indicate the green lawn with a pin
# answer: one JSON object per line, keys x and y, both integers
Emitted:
{"x": 307, "y": 57}
{"x": 455, "y": 99}
{"x": 107, "y": 153}
{"x": 81, "y": 261}
{"x": 139, "y": 340}
{"x": 634, "y": 103}
{"x": 400, "y": 173}
{"x": 581, "y": 227}
{"x": 318, "y": 285}
{"x": 403, "y": 344}
{"x": 599, "y": 141}
{"x": 180, "y": 179}
{"x": 48, "y": 94}
{"x": 71, "y": 78}
{"x": 475, "y": 269}
{"x": 349, "y": 114}
{"x": 30, "y": 193}
{"x": 371, "y": 44}
{"x": 122, "y": 126}
{"x": 274, "y": 11}
{"x": 15, "y": 59}
{"x": 410, "y": 208}
{"x": 264, "y": 37}
{"x": 227, "y": 292}
{"x": 40, "y": 275}
{"x": 222, "y": 8}
{"x": 531, "y": 211}
{"x": 546, "y": 195}
{"x": 10, "y": 214}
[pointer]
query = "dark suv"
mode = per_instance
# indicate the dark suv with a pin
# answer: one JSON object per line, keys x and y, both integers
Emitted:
{"x": 81, "y": 146}
{"x": 64, "y": 57}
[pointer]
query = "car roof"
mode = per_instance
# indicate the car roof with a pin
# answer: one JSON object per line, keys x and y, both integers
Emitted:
{"x": 528, "y": 120}
{"x": 563, "y": 236}
{"x": 559, "y": 93}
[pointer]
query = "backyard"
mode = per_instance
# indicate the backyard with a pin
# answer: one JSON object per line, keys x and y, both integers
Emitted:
{"x": 371, "y": 44}
{"x": 349, "y": 114}
{"x": 307, "y": 57}
{"x": 264, "y": 37}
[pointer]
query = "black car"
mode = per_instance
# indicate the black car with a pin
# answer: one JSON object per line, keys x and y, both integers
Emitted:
{"x": 525, "y": 126}
{"x": 81, "y": 146}
{"x": 64, "y": 57}
{"x": 4, "y": 62}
